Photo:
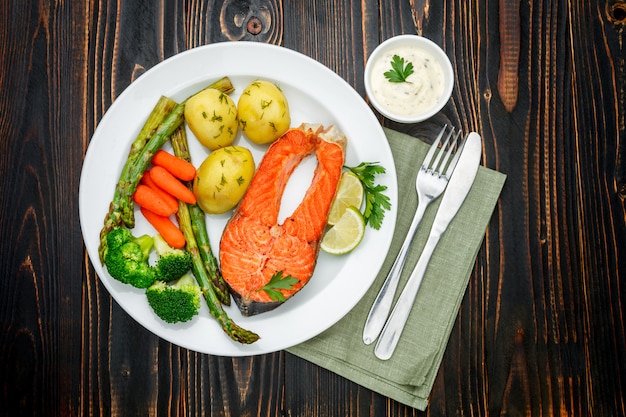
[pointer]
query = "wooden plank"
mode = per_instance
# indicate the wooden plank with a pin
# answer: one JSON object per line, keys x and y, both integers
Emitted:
{"x": 541, "y": 329}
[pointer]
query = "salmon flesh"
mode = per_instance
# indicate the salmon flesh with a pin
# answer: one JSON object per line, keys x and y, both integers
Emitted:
{"x": 254, "y": 247}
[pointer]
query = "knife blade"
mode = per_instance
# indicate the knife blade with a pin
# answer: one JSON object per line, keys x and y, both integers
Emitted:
{"x": 458, "y": 187}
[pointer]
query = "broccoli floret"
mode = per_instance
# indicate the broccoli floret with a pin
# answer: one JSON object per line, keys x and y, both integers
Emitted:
{"x": 172, "y": 263}
{"x": 175, "y": 302}
{"x": 126, "y": 258}
{"x": 118, "y": 236}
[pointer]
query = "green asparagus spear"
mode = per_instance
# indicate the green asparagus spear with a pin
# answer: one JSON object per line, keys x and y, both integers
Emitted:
{"x": 198, "y": 224}
{"x": 233, "y": 330}
{"x": 114, "y": 217}
{"x": 200, "y": 230}
{"x": 121, "y": 209}
{"x": 164, "y": 106}
{"x": 126, "y": 186}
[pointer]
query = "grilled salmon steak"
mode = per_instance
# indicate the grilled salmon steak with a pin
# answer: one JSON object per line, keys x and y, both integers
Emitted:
{"x": 254, "y": 247}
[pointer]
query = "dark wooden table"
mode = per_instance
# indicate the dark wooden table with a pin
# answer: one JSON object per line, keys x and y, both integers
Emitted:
{"x": 542, "y": 327}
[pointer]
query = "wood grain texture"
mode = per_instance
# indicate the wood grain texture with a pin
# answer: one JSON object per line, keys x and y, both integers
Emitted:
{"x": 508, "y": 82}
{"x": 541, "y": 330}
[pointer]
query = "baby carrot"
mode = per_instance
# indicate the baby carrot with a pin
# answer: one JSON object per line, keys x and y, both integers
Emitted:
{"x": 170, "y": 232}
{"x": 167, "y": 197}
{"x": 147, "y": 198}
{"x": 172, "y": 185}
{"x": 176, "y": 166}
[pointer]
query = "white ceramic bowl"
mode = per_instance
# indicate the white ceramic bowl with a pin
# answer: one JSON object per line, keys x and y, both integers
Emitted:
{"x": 380, "y": 61}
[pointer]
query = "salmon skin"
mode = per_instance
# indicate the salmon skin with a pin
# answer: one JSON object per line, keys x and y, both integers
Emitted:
{"x": 254, "y": 247}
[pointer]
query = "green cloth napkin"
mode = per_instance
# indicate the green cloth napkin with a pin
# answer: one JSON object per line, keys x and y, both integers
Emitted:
{"x": 409, "y": 375}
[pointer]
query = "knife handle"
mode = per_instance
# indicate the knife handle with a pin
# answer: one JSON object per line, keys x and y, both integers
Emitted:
{"x": 392, "y": 331}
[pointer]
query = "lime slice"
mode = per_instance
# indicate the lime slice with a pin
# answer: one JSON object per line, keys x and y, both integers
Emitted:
{"x": 346, "y": 234}
{"x": 349, "y": 193}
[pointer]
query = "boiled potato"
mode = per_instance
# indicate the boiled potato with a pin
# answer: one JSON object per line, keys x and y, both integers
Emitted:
{"x": 263, "y": 112}
{"x": 223, "y": 178}
{"x": 212, "y": 117}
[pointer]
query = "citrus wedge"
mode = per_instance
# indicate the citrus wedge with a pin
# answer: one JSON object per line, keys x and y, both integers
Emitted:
{"x": 346, "y": 234}
{"x": 349, "y": 193}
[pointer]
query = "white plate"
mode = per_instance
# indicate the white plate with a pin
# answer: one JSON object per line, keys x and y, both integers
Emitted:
{"x": 315, "y": 94}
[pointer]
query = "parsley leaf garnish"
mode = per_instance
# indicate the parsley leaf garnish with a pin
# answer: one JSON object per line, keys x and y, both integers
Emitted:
{"x": 278, "y": 282}
{"x": 399, "y": 72}
{"x": 376, "y": 202}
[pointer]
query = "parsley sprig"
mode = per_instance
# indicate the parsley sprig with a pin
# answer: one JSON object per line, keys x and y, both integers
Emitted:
{"x": 376, "y": 202}
{"x": 399, "y": 72}
{"x": 278, "y": 282}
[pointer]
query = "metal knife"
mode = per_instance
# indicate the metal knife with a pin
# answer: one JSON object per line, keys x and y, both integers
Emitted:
{"x": 456, "y": 191}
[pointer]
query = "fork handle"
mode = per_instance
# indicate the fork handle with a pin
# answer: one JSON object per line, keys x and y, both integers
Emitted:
{"x": 393, "y": 328}
{"x": 382, "y": 304}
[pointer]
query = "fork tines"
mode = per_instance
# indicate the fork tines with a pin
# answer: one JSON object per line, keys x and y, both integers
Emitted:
{"x": 436, "y": 164}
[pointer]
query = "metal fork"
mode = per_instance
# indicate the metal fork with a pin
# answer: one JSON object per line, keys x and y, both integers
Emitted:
{"x": 430, "y": 183}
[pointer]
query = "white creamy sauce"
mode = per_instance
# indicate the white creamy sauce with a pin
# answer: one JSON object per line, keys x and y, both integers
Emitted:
{"x": 422, "y": 90}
